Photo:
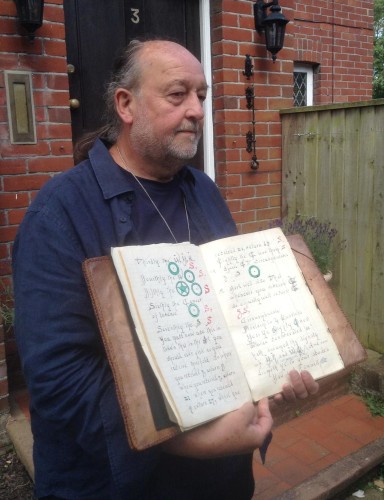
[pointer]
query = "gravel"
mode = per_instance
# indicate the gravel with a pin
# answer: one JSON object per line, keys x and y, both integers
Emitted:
{"x": 15, "y": 483}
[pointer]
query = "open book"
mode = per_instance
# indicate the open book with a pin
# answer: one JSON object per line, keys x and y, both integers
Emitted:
{"x": 223, "y": 323}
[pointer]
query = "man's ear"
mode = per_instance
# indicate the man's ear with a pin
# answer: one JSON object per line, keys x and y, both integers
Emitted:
{"x": 124, "y": 102}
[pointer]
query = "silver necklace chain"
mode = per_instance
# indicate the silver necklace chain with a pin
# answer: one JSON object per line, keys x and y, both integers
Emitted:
{"x": 153, "y": 203}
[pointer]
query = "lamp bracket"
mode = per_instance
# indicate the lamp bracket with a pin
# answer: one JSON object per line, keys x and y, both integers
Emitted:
{"x": 259, "y": 9}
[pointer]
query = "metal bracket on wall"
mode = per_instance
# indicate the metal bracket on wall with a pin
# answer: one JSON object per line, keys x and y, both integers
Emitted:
{"x": 250, "y": 98}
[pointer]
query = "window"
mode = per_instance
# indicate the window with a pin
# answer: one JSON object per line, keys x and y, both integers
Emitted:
{"x": 302, "y": 85}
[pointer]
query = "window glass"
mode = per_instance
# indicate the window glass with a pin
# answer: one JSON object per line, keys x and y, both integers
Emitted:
{"x": 302, "y": 85}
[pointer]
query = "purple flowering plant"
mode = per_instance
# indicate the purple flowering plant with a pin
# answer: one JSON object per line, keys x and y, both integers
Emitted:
{"x": 319, "y": 236}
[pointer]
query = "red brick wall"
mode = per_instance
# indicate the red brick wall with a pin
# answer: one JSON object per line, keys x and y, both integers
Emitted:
{"x": 335, "y": 36}
{"x": 254, "y": 197}
{"x": 25, "y": 168}
{"x": 339, "y": 37}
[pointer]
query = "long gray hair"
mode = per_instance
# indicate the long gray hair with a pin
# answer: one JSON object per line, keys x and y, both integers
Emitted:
{"x": 126, "y": 74}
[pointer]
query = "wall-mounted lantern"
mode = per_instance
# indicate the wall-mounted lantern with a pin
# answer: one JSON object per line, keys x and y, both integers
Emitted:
{"x": 272, "y": 24}
{"x": 30, "y": 14}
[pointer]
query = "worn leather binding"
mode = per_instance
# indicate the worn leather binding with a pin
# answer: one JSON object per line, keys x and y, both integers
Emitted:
{"x": 139, "y": 395}
{"x": 143, "y": 409}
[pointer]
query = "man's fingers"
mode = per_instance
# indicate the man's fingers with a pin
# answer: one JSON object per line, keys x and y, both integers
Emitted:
{"x": 311, "y": 384}
{"x": 298, "y": 385}
{"x": 302, "y": 385}
{"x": 288, "y": 393}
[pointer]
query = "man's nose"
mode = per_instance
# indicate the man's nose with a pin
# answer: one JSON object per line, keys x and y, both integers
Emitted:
{"x": 195, "y": 107}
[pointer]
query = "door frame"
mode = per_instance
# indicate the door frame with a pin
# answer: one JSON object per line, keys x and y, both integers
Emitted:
{"x": 205, "y": 44}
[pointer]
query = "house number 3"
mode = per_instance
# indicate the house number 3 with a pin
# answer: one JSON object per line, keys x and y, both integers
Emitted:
{"x": 135, "y": 16}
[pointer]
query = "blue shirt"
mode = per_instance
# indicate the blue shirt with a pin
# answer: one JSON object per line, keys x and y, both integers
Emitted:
{"x": 80, "y": 446}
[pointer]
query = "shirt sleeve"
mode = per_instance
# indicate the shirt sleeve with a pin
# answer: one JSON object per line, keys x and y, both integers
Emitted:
{"x": 63, "y": 358}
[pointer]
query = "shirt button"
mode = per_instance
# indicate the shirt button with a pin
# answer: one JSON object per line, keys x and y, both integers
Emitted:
{"x": 123, "y": 219}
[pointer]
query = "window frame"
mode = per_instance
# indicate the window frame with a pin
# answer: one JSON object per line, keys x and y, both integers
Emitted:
{"x": 308, "y": 69}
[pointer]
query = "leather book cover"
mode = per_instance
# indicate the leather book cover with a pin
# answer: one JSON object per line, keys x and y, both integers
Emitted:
{"x": 142, "y": 405}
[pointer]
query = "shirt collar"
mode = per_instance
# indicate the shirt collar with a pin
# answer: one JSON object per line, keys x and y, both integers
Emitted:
{"x": 112, "y": 179}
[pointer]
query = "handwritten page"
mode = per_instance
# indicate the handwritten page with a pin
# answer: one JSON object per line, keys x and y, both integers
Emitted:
{"x": 182, "y": 330}
{"x": 274, "y": 321}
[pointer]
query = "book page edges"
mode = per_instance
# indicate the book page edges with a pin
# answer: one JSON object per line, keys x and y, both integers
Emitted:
{"x": 116, "y": 332}
{"x": 118, "y": 259}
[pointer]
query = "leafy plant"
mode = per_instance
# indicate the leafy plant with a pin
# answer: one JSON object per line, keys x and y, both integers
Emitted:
{"x": 6, "y": 306}
{"x": 378, "y": 50}
{"x": 375, "y": 404}
{"x": 319, "y": 236}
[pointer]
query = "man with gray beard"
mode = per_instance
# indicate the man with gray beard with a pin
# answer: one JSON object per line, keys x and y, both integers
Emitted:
{"x": 131, "y": 188}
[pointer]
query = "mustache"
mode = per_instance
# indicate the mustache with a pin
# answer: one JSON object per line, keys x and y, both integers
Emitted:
{"x": 189, "y": 127}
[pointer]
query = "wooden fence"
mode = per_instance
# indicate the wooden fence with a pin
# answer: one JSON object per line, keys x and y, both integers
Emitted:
{"x": 333, "y": 168}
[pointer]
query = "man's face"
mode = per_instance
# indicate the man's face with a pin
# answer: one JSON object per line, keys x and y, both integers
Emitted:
{"x": 168, "y": 111}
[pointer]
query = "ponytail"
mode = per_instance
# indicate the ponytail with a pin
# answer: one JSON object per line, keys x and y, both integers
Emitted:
{"x": 126, "y": 74}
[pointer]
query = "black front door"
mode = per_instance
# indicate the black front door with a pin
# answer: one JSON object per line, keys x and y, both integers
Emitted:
{"x": 97, "y": 31}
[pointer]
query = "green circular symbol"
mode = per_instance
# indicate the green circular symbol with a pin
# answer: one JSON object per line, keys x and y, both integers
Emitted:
{"x": 254, "y": 271}
{"x": 196, "y": 289}
{"x": 182, "y": 288}
{"x": 189, "y": 276}
{"x": 193, "y": 310}
{"x": 173, "y": 268}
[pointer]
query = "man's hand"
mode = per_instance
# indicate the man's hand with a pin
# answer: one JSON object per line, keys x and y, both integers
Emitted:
{"x": 302, "y": 385}
{"x": 243, "y": 430}
{"x": 238, "y": 432}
